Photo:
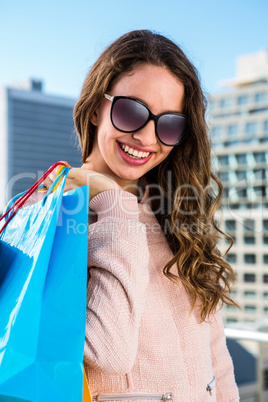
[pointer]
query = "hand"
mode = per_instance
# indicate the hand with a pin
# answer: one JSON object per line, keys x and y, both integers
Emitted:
{"x": 78, "y": 177}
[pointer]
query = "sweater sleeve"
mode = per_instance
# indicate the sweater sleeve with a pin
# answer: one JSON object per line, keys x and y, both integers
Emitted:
{"x": 118, "y": 259}
{"x": 226, "y": 388}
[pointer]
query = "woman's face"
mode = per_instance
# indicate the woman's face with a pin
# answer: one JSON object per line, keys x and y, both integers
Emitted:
{"x": 162, "y": 92}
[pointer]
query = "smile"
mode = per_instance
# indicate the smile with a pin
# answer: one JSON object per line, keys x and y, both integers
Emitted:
{"x": 133, "y": 153}
{"x": 132, "y": 156}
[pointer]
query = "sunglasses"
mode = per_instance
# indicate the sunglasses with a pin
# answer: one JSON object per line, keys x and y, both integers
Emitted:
{"x": 129, "y": 115}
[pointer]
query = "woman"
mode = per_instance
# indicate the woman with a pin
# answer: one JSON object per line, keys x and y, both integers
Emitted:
{"x": 155, "y": 275}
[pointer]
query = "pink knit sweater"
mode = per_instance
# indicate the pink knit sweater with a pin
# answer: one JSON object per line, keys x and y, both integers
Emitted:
{"x": 140, "y": 336}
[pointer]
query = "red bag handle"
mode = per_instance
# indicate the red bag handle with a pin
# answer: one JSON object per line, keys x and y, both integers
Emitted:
{"x": 21, "y": 200}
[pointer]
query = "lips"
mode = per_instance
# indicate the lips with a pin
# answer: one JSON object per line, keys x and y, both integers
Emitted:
{"x": 132, "y": 161}
{"x": 123, "y": 147}
{"x": 135, "y": 147}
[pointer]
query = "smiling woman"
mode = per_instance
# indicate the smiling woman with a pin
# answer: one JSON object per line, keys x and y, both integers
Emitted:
{"x": 126, "y": 122}
{"x": 155, "y": 275}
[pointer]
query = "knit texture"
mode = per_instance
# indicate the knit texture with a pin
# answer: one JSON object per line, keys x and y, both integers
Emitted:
{"x": 140, "y": 336}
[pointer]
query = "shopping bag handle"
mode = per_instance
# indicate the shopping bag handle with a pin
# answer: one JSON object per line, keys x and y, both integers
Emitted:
{"x": 55, "y": 184}
{"x": 21, "y": 200}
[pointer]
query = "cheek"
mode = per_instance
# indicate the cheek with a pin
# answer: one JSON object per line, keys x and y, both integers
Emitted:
{"x": 163, "y": 155}
{"x": 104, "y": 121}
{"x": 166, "y": 151}
{"x": 107, "y": 130}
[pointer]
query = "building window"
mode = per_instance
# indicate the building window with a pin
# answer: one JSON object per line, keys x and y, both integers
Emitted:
{"x": 226, "y": 102}
{"x": 250, "y": 259}
{"x": 251, "y": 128}
{"x": 225, "y": 193}
{"x": 241, "y": 175}
{"x": 224, "y": 176}
{"x": 232, "y": 129}
{"x": 249, "y": 294}
{"x": 249, "y": 240}
{"x": 260, "y": 191}
{"x": 265, "y": 239}
{"x": 265, "y": 278}
{"x": 253, "y": 141}
{"x": 242, "y": 100}
{"x": 235, "y": 205}
{"x": 224, "y": 160}
{"x": 217, "y": 132}
{"x": 261, "y": 97}
{"x": 249, "y": 225}
{"x": 254, "y": 205}
{"x": 265, "y": 225}
{"x": 232, "y": 143}
{"x": 249, "y": 278}
{"x": 265, "y": 295}
{"x": 231, "y": 258}
{"x": 241, "y": 159}
{"x": 231, "y": 308}
{"x": 265, "y": 259}
{"x": 230, "y": 320}
{"x": 265, "y": 310}
{"x": 260, "y": 174}
{"x": 250, "y": 309}
{"x": 230, "y": 225}
{"x": 265, "y": 378}
{"x": 260, "y": 157}
{"x": 242, "y": 193}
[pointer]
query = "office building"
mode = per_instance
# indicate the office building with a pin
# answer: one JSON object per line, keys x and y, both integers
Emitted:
{"x": 36, "y": 130}
{"x": 238, "y": 119}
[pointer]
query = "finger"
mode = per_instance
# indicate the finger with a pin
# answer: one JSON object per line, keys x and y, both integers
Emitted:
{"x": 58, "y": 170}
{"x": 47, "y": 182}
{"x": 65, "y": 163}
{"x": 53, "y": 175}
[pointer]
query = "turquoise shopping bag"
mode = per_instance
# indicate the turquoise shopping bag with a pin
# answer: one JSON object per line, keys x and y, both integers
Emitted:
{"x": 43, "y": 276}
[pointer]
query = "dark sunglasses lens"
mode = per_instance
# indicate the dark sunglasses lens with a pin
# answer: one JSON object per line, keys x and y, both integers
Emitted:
{"x": 128, "y": 115}
{"x": 170, "y": 128}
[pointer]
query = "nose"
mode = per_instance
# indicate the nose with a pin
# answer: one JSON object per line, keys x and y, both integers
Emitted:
{"x": 146, "y": 135}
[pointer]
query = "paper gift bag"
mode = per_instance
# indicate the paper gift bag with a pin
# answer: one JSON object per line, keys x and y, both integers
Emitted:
{"x": 43, "y": 276}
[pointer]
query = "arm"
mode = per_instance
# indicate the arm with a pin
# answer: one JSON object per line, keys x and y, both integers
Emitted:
{"x": 118, "y": 258}
{"x": 226, "y": 387}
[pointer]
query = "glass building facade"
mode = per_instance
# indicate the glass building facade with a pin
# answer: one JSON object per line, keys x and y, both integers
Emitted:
{"x": 36, "y": 131}
{"x": 238, "y": 121}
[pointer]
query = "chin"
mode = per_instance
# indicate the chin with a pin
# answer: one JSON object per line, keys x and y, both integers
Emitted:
{"x": 129, "y": 176}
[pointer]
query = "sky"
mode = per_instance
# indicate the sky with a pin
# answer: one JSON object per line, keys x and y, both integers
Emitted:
{"x": 58, "y": 41}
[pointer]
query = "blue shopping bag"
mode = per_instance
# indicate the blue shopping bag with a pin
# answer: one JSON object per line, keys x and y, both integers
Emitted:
{"x": 43, "y": 277}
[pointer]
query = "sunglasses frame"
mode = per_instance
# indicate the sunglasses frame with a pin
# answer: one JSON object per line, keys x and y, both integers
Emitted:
{"x": 151, "y": 116}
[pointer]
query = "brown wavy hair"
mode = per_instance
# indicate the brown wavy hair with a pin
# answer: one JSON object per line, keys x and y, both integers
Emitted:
{"x": 184, "y": 178}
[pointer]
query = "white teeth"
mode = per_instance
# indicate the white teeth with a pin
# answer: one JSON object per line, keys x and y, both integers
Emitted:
{"x": 134, "y": 152}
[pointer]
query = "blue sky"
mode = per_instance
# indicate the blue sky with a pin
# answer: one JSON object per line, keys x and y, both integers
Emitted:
{"x": 58, "y": 41}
